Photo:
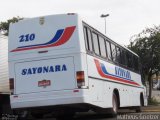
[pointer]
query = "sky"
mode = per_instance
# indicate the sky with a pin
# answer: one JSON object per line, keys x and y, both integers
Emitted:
{"x": 126, "y": 17}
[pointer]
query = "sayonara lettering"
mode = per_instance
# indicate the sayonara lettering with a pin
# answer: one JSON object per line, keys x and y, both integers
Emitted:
{"x": 44, "y": 69}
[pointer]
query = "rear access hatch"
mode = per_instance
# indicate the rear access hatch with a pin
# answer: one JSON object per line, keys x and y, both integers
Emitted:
{"x": 45, "y": 75}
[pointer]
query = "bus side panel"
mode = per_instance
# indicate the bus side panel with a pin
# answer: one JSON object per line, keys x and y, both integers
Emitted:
{"x": 98, "y": 89}
{"x": 102, "y": 87}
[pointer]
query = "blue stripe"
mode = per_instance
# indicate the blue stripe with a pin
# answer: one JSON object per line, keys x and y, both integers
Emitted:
{"x": 104, "y": 69}
{"x": 54, "y": 39}
{"x": 105, "y": 72}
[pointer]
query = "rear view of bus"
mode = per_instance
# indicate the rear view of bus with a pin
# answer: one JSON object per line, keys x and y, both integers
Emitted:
{"x": 45, "y": 64}
{"x": 61, "y": 64}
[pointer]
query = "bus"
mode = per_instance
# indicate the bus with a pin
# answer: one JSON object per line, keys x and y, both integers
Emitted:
{"x": 60, "y": 64}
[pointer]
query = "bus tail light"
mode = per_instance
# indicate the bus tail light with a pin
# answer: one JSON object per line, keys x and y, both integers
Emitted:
{"x": 80, "y": 78}
{"x": 11, "y": 84}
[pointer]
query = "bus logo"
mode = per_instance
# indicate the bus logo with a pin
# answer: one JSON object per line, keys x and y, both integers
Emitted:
{"x": 101, "y": 68}
{"x": 61, "y": 37}
{"x": 41, "y": 20}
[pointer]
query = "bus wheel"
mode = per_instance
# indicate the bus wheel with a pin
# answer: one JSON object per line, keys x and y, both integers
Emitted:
{"x": 139, "y": 108}
{"x": 114, "y": 109}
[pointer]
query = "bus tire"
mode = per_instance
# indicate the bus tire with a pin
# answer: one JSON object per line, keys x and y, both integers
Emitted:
{"x": 139, "y": 108}
{"x": 114, "y": 109}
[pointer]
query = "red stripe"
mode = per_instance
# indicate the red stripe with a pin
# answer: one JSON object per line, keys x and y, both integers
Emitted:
{"x": 67, "y": 34}
{"x": 65, "y": 37}
{"x": 112, "y": 77}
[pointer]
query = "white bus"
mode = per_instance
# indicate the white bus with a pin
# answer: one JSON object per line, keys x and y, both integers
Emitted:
{"x": 60, "y": 64}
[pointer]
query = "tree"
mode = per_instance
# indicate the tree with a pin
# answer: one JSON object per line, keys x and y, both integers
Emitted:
{"x": 147, "y": 45}
{"x": 4, "y": 26}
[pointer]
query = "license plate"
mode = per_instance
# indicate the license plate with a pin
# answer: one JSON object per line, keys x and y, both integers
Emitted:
{"x": 44, "y": 83}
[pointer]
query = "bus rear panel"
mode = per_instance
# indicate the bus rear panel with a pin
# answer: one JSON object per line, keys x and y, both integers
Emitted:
{"x": 45, "y": 62}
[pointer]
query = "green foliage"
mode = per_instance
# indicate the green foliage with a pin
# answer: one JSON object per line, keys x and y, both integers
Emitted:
{"x": 4, "y": 26}
{"x": 147, "y": 46}
{"x": 153, "y": 101}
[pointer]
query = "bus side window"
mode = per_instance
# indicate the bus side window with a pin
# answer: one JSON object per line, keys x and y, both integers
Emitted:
{"x": 96, "y": 43}
{"x": 88, "y": 39}
{"x": 136, "y": 63}
{"x": 129, "y": 60}
{"x": 102, "y": 47}
{"x": 124, "y": 60}
{"x": 108, "y": 47}
{"x": 118, "y": 55}
{"x": 113, "y": 50}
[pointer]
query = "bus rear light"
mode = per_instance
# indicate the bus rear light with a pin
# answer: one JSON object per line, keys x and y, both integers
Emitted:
{"x": 11, "y": 83}
{"x": 80, "y": 78}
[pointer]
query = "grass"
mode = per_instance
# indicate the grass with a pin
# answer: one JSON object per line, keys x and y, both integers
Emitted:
{"x": 153, "y": 101}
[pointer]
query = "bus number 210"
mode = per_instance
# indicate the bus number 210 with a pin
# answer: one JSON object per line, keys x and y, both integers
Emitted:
{"x": 27, "y": 37}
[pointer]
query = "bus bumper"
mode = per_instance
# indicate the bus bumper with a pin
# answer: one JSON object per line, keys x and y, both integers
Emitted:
{"x": 47, "y": 99}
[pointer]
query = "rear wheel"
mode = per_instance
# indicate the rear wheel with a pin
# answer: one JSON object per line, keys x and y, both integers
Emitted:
{"x": 114, "y": 109}
{"x": 139, "y": 108}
